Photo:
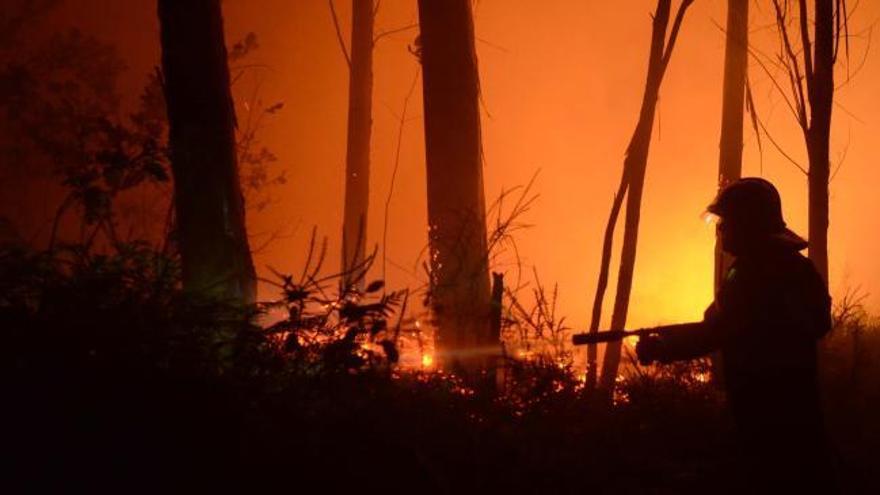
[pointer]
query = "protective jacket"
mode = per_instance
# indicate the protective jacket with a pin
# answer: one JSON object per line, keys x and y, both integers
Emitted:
{"x": 766, "y": 320}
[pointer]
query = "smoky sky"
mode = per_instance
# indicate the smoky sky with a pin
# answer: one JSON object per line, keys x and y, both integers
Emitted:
{"x": 561, "y": 87}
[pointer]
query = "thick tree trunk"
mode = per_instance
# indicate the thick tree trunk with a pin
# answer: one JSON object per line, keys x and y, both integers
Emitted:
{"x": 210, "y": 214}
{"x": 634, "y": 167}
{"x": 456, "y": 204}
{"x": 357, "y": 158}
{"x": 733, "y": 103}
{"x": 821, "y": 95}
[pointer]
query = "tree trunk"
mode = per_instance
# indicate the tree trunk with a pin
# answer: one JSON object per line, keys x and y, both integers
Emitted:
{"x": 607, "y": 244}
{"x": 731, "y": 145}
{"x": 456, "y": 205}
{"x": 821, "y": 95}
{"x": 210, "y": 214}
{"x": 634, "y": 167}
{"x": 736, "y": 52}
{"x": 357, "y": 158}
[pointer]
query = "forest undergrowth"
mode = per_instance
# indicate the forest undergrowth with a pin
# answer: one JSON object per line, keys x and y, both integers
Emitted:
{"x": 115, "y": 380}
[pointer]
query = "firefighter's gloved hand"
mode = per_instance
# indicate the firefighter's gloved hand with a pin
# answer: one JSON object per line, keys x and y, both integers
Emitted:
{"x": 648, "y": 350}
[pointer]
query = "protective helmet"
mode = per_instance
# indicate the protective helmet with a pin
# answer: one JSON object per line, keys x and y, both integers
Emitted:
{"x": 754, "y": 206}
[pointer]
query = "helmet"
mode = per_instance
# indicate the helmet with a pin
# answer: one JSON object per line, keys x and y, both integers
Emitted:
{"x": 752, "y": 205}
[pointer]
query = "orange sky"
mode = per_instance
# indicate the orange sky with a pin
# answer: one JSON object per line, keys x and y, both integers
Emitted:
{"x": 562, "y": 83}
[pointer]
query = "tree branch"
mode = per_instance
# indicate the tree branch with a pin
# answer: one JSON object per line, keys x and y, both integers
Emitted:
{"x": 673, "y": 35}
{"x": 753, "y": 115}
{"x": 793, "y": 66}
{"x": 773, "y": 80}
{"x": 402, "y": 122}
{"x": 393, "y": 31}
{"x": 807, "y": 47}
{"x": 339, "y": 34}
{"x": 778, "y": 147}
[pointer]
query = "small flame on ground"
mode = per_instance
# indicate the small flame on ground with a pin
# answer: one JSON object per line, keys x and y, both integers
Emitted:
{"x": 427, "y": 360}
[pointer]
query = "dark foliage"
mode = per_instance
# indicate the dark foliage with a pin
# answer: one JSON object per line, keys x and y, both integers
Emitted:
{"x": 64, "y": 123}
{"x": 113, "y": 380}
{"x": 850, "y": 361}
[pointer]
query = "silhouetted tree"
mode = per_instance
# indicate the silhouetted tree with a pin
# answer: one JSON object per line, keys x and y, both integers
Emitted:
{"x": 631, "y": 184}
{"x": 460, "y": 293}
{"x": 736, "y": 52}
{"x": 357, "y": 157}
{"x": 809, "y": 65}
{"x": 210, "y": 220}
{"x": 69, "y": 146}
{"x": 732, "y": 109}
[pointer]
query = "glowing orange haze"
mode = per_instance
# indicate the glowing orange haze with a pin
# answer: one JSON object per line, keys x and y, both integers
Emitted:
{"x": 562, "y": 83}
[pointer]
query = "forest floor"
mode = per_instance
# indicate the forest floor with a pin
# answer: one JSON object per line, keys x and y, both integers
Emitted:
{"x": 114, "y": 383}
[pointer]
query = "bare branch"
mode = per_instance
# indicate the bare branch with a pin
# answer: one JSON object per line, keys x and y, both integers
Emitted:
{"x": 393, "y": 31}
{"x": 848, "y": 112}
{"x": 402, "y": 122}
{"x": 492, "y": 45}
{"x": 56, "y": 221}
{"x": 673, "y": 35}
{"x": 793, "y": 66}
{"x": 850, "y": 74}
{"x": 795, "y": 81}
{"x": 782, "y": 92}
{"x": 842, "y": 155}
{"x": 841, "y": 25}
{"x": 310, "y": 255}
{"x": 807, "y": 46}
{"x": 778, "y": 147}
{"x": 339, "y": 34}
{"x": 271, "y": 237}
{"x": 750, "y": 107}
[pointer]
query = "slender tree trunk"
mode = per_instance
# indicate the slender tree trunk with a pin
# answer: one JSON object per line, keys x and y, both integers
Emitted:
{"x": 605, "y": 265}
{"x": 732, "y": 110}
{"x": 456, "y": 205}
{"x": 736, "y": 51}
{"x": 357, "y": 158}
{"x": 820, "y": 89}
{"x": 634, "y": 167}
{"x": 496, "y": 370}
{"x": 209, "y": 205}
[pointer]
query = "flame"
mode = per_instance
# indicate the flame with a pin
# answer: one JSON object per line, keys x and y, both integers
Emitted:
{"x": 427, "y": 360}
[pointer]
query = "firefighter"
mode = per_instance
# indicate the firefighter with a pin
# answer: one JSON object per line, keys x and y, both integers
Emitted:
{"x": 768, "y": 314}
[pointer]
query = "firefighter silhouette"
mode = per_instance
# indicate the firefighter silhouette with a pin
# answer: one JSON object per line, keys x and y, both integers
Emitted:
{"x": 768, "y": 314}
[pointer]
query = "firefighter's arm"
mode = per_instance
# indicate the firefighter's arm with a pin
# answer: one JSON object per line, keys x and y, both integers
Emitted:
{"x": 684, "y": 344}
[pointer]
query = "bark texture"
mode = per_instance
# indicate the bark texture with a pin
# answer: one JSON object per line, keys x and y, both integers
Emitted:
{"x": 460, "y": 294}
{"x": 210, "y": 215}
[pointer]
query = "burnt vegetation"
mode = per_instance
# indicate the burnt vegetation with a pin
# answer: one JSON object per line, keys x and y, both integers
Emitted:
{"x": 114, "y": 374}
